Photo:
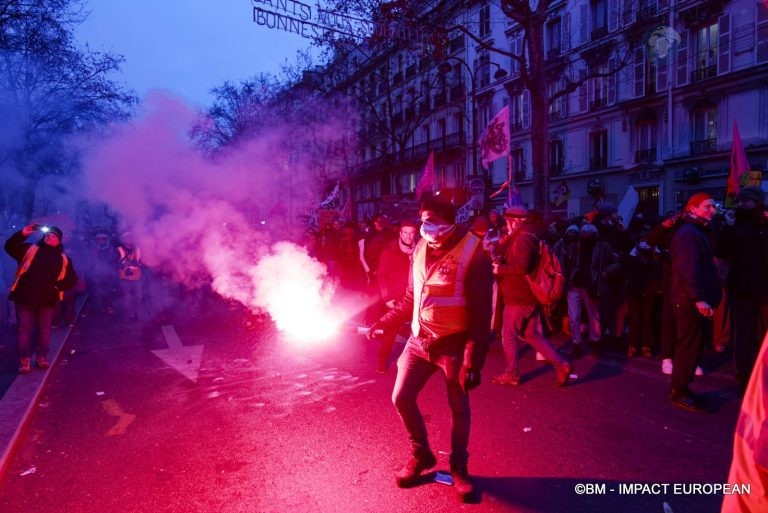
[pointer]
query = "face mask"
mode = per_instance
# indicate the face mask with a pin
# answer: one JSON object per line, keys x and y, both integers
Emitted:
{"x": 433, "y": 233}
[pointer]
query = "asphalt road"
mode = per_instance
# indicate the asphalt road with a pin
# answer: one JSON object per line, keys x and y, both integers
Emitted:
{"x": 246, "y": 423}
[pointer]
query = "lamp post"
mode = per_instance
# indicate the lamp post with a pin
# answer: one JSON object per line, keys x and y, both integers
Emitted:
{"x": 445, "y": 67}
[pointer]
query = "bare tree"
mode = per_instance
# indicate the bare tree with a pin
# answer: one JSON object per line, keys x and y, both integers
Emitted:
{"x": 49, "y": 89}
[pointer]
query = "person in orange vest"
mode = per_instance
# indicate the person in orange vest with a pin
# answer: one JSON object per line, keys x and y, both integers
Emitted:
{"x": 43, "y": 274}
{"x": 448, "y": 303}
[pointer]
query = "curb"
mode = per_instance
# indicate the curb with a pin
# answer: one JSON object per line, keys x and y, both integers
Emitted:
{"x": 18, "y": 403}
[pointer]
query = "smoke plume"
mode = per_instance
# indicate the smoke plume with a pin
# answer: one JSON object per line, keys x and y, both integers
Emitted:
{"x": 200, "y": 220}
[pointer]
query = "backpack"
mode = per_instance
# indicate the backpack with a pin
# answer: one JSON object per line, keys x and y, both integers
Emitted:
{"x": 547, "y": 281}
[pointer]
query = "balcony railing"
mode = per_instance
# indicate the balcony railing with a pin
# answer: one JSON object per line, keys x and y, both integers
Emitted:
{"x": 647, "y": 155}
{"x": 703, "y": 146}
{"x": 704, "y": 73}
{"x": 598, "y": 103}
{"x": 556, "y": 115}
{"x": 599, "y": 32}
{"x": 456, "y": 44}
{"x": 450, "y": 141}
{"x": 598, "y": 163}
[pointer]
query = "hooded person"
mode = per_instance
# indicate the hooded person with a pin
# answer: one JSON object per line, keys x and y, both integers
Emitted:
{"x": 44, "y": 273}
{"x": 448, "y": 305}
{"x": 743, "y": 245}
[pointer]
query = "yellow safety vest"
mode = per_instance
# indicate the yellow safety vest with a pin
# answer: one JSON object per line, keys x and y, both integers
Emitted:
{"x": 439, "y": 302}
{"x": 26, "y": 261}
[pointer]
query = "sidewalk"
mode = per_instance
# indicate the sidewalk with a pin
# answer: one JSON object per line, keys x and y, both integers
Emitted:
{"x": 19, "y": 394}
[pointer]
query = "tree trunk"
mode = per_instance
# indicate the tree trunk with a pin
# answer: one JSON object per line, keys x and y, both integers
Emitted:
{"x": 539, "y": 120}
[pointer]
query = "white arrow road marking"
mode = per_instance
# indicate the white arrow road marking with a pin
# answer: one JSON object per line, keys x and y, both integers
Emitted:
{"x": 185, "y": 359}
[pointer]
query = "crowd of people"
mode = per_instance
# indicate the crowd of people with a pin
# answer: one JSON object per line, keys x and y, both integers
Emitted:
{"x": 653, "y": 287}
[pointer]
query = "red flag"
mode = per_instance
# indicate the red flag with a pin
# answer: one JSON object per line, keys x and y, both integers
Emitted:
{"x": 427, "y": 180}
{"x": 494, "y": 142}
{"x": 738, "y": 176}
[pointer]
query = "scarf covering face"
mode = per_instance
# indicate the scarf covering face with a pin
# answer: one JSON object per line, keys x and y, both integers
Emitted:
{"x": 435, "y": 233}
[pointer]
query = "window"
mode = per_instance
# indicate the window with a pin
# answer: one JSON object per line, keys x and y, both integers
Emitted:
{"x": 460, "y": 173}
{"x": 441, "y": 131}
{"x": 559, "y": 107}
{"x": 518, "y": 163}
{"x": 556, "y": 160}
{"x": 598, "y": 149}
{"x": 441, "y": 176}
{"x": 485, "y": 20}
{"x": 484, "y": 114}
{"x": 483, "y": 69}
{"x": 457, "y": 123}
{"x": 599, "y": 15}
{"x": 599, "y": 92}
{"x": 425, "y": 133}
{"x": 519, "y": 111}
{"x": 646, "y": 141}
{"x": 553, "y": 38}
{"x": 704, "y": 129}
{"x": 705, "y": 48}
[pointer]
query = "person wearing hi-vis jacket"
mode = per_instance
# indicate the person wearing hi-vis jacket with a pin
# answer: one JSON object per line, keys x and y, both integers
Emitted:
{"x": 448, "y": 302}
{"x": 129, "y": 272}
{"x": 43, "y": 274}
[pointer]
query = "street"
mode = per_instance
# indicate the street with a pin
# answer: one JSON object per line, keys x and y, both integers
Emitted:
{"x": 139, "y": 419}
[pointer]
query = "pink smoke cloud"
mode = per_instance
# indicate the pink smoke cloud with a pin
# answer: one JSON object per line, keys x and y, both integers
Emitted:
{"x": 192, "y": 216}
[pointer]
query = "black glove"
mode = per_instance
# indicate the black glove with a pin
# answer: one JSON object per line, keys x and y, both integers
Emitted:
{"x": 469, "y": 378}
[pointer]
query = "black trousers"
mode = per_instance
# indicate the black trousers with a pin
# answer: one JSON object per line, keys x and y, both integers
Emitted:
{"x": 750, "y": 322}
{"x": 642, "y": 329}
{"x": 667, "y": 331}
{"x": 690, "y": 329}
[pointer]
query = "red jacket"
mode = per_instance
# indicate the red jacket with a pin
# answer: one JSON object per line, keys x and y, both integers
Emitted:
{"x": 393, "y": 271}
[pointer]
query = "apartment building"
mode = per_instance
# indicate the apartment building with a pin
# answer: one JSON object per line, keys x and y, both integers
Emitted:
{"x": 647, "y": 95}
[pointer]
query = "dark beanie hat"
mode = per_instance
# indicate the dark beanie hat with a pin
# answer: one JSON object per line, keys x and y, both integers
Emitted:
{"x": 442, "y": 207}
{"x": 697, "y": 199}
{"x": 753, "y": 193}
{"x": 57, "y": 231}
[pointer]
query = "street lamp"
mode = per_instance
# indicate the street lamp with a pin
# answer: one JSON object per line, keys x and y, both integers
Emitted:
{"x": 445, "y": 67}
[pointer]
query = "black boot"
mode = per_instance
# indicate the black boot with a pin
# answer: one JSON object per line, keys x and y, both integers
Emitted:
{"x": 410, "y": 474}
{"x": 687, "y": 400}
{"x": 464, "y": 488}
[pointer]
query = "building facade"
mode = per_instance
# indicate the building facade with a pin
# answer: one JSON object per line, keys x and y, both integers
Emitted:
{"x": 644, "y": 95}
